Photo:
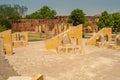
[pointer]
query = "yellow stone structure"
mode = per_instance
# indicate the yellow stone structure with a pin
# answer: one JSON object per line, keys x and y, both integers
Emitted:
{"x": 7, "y": 42}
{"x": 20, "y": 39}
{"x": 74, "y": 32}
{"x": 38, "y": 77}
{"x": 105, "y": 31}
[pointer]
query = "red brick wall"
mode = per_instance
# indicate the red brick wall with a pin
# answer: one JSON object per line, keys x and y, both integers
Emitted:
{"x": 30, "y": 24}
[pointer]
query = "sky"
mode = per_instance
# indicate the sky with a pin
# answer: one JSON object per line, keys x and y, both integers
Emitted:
{"x": 64, "y": 7}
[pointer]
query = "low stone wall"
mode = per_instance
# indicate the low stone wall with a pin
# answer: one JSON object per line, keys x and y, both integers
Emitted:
{"x": 20, "y": 39}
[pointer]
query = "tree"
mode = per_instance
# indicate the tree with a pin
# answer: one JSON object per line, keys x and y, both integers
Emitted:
{"x": 77, "y": 17}
{"x": 20, "y": 9}
{"x": 5, "y": 23}
{"x": 2, "y": 28}
{"x": 7, "y": 12}
{"x": 86, "y": 23}
{"x": 44, "y": 12}
{"x": 105, "y": 20}
{"x": 34, "y": 15}
{"x": 116, "y": 20}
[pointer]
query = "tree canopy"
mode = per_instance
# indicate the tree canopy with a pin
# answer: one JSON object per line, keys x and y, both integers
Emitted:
{"x": 86, "y": 23}
{"x": 116, "y": 21}
{"x": 42, "y": 13}
{"x": 20, "y": 9}
{"x": 7, "y": 12}
{"x": 109, "y": 20}
{"x": 12, "y": 12}
{"x": 5, "y": 24}
{"x": 77, "y": 17}
{"x": 2, "y": 28}
{"x": 105, "y": 20}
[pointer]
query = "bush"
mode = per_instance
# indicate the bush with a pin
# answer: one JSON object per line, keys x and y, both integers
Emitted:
{"x": 6, "y": 23}
{"x": 2, "y": 28}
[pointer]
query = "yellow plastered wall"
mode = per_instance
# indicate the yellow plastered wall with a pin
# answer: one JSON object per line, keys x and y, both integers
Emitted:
{"x": 20, "y": 39}
{"x": 104, "y": 31}
{"x": 75, "y": 32}
{"x": 7, "y": 41}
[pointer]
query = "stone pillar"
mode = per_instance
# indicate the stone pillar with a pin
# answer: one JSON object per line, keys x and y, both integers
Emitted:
{"x": 56, "y": 28}
{"x": 59, "y": 28}
{"x": 36, "y": 28}
{"x": 46, "y": 28}
{"x": 43, "y": 28}
{"x": 26, "y": 38}
{"x": 70, "y": 26}
{"x": 65, "y": 27}
{"x": 117, "y": 40}
{"x": 40, "y": 28}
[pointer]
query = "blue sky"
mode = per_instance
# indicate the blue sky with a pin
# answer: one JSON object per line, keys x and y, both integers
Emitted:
{"x": 64, "y": 7}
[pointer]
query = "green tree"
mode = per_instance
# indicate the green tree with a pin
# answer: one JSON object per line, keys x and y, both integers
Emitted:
{"x": 105, "y": 20}
{"x": 44, "y": 12}
{"x": 5, "y": 23}
{"x": 21, "y": 9}
{"x": 86, "y": 23}
{"x": 116, "y": 20}
{"x": 7, "y": 12}
{"x": 2, "y": 28}
{"x": 77, "y": 17}
{"x": 34, "y": 15}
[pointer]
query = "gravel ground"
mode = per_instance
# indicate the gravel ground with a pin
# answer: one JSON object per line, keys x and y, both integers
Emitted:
{"x": 94, "y": 64}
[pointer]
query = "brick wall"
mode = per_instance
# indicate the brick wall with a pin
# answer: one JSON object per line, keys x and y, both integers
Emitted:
{"x": 29, "y": 24}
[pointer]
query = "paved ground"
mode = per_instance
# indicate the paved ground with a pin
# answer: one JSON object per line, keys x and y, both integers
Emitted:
{"x": 94, "y": 64}
{"x": 6, "y": 70}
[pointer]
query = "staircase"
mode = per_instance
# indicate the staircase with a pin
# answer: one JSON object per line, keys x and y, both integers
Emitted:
{"x": 75, "y": 32}
{"x": 104, "y": 31}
